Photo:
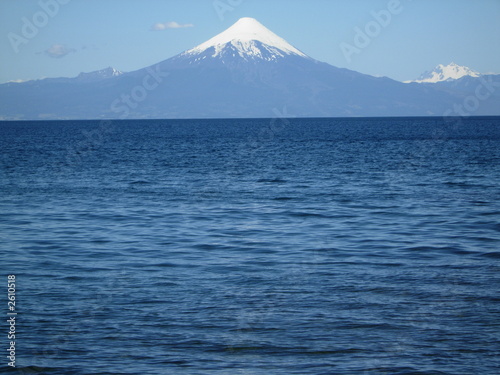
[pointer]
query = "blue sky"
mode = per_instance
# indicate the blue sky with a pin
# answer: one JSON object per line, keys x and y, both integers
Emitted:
{"x": 71, "y": 36}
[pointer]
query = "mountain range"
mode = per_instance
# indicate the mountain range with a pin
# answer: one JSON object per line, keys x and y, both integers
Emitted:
{"x": 247, "y": 71}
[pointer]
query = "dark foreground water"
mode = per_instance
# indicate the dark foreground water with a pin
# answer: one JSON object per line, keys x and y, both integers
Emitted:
{"x": 362, "y": 246}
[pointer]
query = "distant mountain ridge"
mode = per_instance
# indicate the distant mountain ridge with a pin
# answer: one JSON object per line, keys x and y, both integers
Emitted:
{"x": 99, "y": 74}
{"x": 246, "y": 71}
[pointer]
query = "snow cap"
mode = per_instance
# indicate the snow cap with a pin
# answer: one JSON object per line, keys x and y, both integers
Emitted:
{"x": 247, "y": 30}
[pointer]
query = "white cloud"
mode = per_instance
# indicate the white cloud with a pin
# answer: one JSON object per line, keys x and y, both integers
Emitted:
{"x": 58, "y": 51}
{"x": 170, "y": 25}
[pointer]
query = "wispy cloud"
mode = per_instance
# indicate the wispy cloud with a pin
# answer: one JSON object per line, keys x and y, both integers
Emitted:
{"x": 58, "y": 51}
{"x": 92, "y": 47}
{"x": 170, "y": 25}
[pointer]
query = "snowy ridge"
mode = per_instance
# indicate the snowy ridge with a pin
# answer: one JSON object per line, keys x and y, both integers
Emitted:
{"x": 242, "y": 37}
{"x": 100, "y": 74}
{"x": 446, "y": 73}
{"x": 114, "y": 72}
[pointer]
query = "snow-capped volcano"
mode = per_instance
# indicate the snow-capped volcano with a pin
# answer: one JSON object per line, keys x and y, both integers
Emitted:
{"x": 249, "y": 39}
{"x": 446, "y": 73}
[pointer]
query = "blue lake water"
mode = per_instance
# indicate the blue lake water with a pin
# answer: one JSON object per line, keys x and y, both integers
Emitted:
{"x": 300, "y": 246}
